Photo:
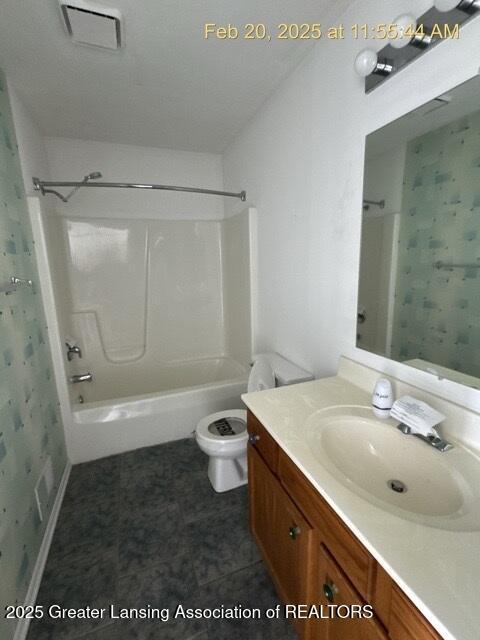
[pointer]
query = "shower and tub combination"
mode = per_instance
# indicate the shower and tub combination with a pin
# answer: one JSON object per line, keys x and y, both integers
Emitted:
{"x": 154, "y": 319}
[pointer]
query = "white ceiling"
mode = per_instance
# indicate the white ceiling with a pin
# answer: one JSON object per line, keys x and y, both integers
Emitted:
{"x": 168, "y": 87}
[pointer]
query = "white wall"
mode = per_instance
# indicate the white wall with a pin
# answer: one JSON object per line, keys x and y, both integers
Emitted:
{"x": 237, "y": 266}
{"x": 31, "y": 144}
{"x": 301, "y": 163}
{"x": 384, "y": 180}
{"x": 378, "y": 237}
{"x": 72, "y": 159}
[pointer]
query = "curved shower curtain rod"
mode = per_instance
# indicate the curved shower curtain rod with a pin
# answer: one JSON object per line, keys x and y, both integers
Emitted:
{"x": 46, "y": 187}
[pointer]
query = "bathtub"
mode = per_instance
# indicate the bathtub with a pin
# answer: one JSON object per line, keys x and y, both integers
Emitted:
{"x": 135, "y": 409}
{"x": 151, "y": 303}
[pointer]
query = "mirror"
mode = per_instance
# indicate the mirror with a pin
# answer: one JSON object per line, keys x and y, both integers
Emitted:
{"x": 419, "y": 287}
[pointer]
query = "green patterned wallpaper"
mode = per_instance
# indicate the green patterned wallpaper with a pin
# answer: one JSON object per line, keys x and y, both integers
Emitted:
{"x": 30, "y": 424}
{"x": 437, "y": 312}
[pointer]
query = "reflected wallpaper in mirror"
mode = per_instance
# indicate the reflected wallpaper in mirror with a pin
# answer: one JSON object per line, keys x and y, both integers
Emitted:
{"x": 419, "y": 289}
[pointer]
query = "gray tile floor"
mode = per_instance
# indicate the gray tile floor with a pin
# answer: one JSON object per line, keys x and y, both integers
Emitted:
{"x": 146, "y": 528}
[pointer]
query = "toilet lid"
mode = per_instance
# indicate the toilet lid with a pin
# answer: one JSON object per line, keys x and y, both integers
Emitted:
{"x": 261, "y": 376}
{"x": 224, "y": 426}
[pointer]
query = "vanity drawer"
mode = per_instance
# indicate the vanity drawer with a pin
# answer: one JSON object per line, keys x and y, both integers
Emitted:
{"x": 350, "y": 554}
{"x": 262, "y": 441}
{"x": 406, "y": 622}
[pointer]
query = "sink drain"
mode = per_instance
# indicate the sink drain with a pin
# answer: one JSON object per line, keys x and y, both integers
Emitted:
{"x": 397, "y": 485}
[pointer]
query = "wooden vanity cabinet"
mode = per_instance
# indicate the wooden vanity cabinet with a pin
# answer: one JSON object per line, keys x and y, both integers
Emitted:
{"x": 285, "y": 538}
{"x": 312, "y": 556}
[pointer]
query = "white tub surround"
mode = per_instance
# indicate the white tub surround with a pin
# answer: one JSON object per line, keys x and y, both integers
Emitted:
{"x": 438, "y": 569}
{"x": 144, "y": 290}
{"x": 151, "y": 303}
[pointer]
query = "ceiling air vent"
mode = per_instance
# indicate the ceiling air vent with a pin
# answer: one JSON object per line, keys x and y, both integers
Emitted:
{"x": 93, "y": 25}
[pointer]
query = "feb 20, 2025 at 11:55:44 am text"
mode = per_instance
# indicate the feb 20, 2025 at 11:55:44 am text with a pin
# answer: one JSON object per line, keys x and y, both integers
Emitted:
{"x": 316, "y": 31}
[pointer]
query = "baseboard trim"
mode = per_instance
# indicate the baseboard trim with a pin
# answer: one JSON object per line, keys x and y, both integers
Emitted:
{"x": 21, "y": 629}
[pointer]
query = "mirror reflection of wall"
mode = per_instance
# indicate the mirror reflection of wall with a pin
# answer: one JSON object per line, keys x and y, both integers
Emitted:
{"x": 383, "y": 189}
{"x": 419, "y": 293}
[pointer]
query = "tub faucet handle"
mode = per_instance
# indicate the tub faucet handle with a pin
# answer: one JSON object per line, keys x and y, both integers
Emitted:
{"x": 72, "y": 350}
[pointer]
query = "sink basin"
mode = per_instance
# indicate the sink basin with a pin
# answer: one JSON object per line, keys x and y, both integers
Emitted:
{"x": 396, "y": 472}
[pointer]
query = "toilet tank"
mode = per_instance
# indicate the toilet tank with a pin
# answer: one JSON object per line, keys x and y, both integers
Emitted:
{"x": 286, "y": 372}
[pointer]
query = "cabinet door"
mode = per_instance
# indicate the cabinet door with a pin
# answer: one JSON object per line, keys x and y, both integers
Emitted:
{"x": 294, "y": 551}
{"x": 286, "y": 540}
{"x": 335, "y": 589}
{"x": 284, "y": 536}
{"x": 262, "y": 498}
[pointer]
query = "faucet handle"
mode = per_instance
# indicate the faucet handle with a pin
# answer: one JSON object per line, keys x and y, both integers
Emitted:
{"x": 72, "y": 349}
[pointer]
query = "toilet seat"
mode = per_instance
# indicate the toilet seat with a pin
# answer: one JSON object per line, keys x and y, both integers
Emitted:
{"x": 217, "y": 445}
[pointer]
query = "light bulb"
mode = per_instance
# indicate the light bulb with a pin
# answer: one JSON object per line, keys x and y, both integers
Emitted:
{"x": 445, "y": 5}
{"x": 406, "y": 25}
{"x": 366, "y": 62}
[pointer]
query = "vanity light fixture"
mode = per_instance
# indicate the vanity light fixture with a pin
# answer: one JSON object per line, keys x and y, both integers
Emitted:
{"x": 406, "y": 28}
{"x": 467, "y": 6}
{"x": 367, "y": 63}
{"x": 409, "y": 37}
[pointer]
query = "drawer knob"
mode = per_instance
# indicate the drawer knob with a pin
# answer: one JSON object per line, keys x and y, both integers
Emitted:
{"x": 294, "y": 532}
{"x": 253, "y": 438}
{"x": 329, "y": 591}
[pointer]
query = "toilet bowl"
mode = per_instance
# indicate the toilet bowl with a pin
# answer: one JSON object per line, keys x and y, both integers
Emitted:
{"x": 223, "y": 435}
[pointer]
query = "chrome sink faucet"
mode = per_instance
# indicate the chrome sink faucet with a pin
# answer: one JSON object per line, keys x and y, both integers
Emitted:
{"x": 432, "y": 438}
{"x": 419, "y": 419}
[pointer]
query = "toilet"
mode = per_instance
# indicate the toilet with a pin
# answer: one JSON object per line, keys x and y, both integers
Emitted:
{"x": 223, "y": 435}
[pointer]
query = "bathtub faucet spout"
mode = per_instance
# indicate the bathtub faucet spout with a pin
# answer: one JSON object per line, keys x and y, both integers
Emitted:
{"x": 84, "y": 377}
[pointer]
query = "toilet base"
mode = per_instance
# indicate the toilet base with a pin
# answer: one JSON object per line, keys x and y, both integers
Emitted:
{"x": 227, "y": 473}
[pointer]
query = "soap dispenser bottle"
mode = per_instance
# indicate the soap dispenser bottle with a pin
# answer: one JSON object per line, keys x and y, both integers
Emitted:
{"x": 382, "y": 398}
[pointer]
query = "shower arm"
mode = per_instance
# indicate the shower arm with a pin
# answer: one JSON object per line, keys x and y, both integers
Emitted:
{"x": 46, "y": 187}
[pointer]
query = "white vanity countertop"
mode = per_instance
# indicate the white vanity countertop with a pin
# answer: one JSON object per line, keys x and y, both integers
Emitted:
{"x": 439, "y": 570}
